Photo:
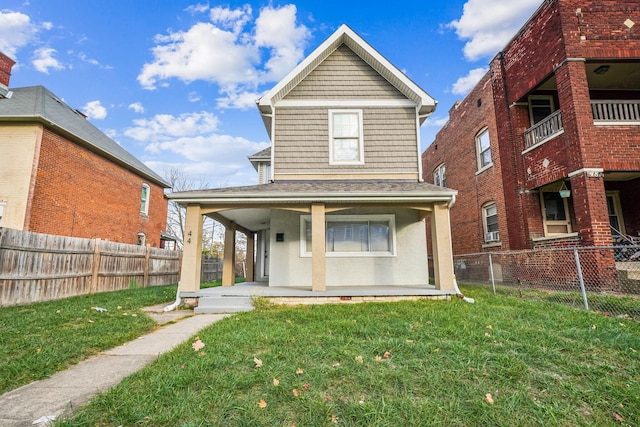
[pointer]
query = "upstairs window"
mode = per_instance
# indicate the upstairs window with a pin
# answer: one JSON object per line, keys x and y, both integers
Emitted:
{"x": 483, "y": 149}
{"x": 440, "y": 176}
{"x": 345, "y": 137}
{"x": 490, "y": 223}
{"x": 540, "y": 107}
{"x": 144, "y": 199}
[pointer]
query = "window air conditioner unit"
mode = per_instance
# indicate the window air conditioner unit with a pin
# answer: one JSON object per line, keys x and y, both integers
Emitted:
{"x": 492, "y": 236}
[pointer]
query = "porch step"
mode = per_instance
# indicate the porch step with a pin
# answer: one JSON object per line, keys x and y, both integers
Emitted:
{"x": 223, "y": 304}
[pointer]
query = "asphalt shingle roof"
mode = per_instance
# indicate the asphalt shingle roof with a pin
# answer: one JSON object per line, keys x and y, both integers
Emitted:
{"x": 37, "y": 103}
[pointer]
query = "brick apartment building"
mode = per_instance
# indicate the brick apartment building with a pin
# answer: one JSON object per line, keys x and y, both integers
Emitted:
{"x": 545, "y": 150}
{"x": 60, "y": 175}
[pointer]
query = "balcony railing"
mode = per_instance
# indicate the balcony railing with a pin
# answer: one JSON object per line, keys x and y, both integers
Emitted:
{"x": 544, "y": 130}
{"x": 616, "y": 112}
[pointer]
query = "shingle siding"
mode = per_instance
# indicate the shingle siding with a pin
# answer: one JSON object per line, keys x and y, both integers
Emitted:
{"x": 344, "y": 75}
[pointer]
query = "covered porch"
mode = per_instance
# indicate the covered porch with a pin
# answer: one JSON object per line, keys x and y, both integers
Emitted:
{"x": 287, "y": 227}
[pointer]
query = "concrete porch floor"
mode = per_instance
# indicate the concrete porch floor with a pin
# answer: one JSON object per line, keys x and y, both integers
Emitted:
{"x": 224, "y": 299}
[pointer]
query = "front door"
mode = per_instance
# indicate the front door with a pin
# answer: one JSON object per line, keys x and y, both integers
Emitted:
{"x": 266, "y": 238}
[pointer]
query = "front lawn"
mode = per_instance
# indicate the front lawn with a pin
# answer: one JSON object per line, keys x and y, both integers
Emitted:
{"x": 501, "y": 361}
{"x": 40, "y": 339}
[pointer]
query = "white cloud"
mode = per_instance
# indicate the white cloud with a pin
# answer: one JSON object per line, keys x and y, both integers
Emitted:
{"x": 16, "y": 31}
{"x": 488, "y": 25}
{"x": 466, "y": 83}
{"x": 137, "y": 107}
{"x": 95, "y": 110}
{"x": 226, "y": 52}
{"x": 165, "y": 127}
{"x": 43, "y": 60}
{"x": 437, "y": 122}
{"x": 242, "y": 101}
{"x": 84, "y": 58}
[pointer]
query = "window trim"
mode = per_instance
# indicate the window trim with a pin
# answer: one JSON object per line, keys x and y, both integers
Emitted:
{"x": 485, "y": 225}
{"x": 546, "y": 222}
{"x": 142, "y": 239}
{"x": 304, "y": 219}
{"x": 144, "y": 203}
{"x": 484, "y": 130}
{"x": 360, "y": 160}
{"x": 440, "y": 175}
{"x": 617, "y": 207}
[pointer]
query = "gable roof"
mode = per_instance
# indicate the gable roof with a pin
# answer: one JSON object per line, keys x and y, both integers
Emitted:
{"x": 345, "y": 35}
{"x": 36, "y": 103}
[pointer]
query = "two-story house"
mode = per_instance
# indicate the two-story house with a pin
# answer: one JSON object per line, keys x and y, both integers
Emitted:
{"x": 550, "y": 137}
{"x": 61, "y": 175}
{"x": 341, "y": 200}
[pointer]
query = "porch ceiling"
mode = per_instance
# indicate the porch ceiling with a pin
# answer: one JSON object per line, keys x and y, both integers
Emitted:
{"x": 253, "y": 219}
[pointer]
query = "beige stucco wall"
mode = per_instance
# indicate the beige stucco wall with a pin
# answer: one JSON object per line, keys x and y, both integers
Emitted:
{"x": 18, "y": 148}
{"x": 407, "y": 267}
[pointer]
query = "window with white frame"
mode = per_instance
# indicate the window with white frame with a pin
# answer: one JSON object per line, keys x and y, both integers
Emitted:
{"x": 483, "y": 149}
{"x": 540, "y": 107}
{"x": 555, "y": 213}
{"x": 345, "y": 137}
{"x": 490, "y": 222}
{"x": 440, "y": 176}
{"x": 142, "y": 239}
{"x": 2, "y": 205}
{"x": 348, "y": 235}
{"x": 144, "y": 199}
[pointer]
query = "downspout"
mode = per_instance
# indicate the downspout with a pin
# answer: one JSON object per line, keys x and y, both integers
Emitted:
{"x": 176, "y": 303}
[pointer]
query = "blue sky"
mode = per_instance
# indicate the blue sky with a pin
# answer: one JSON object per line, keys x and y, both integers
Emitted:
{"x": 175, "y": 82}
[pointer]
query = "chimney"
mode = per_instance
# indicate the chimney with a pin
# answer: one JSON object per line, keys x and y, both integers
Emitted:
{"x": 6, "y": 64}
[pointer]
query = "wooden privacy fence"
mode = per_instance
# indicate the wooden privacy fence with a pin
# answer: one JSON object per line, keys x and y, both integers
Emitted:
{"x": 40, "y": 267}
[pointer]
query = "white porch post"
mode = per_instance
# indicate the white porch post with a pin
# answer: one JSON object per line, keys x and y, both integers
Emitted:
{"x": 192, "y": 251}
{"x": 441, "y": 243}
{"x": 318, "y": 248}
{"x": 229, "y": 259}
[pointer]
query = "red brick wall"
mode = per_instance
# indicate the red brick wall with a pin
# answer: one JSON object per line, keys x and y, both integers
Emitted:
{"x": 78, "y": 193}
{"x": 6, "y": 64}
{"x": 455, "y": 146}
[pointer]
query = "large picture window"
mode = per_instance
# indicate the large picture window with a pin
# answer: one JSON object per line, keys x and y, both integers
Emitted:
{"x": 345, "y": 137}
{"x": 368, "y": 235}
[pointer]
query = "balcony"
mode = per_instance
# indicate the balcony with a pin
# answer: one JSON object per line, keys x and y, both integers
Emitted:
{"x": 616, "y": 112}
{"x": 546, "y": 129}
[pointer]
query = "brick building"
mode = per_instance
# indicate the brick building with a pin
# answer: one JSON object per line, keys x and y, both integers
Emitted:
{"x": 545, "y": 150}
{"x": 60, "y": 175}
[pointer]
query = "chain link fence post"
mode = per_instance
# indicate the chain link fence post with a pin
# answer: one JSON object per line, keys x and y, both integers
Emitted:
{"x": 576, "y": 256}
{"x": 493, "y": 282}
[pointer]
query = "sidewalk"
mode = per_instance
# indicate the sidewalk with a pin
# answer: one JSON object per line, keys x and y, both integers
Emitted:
{"x": 66, "y": 390}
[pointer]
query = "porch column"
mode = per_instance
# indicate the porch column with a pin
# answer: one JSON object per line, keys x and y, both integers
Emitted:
{"x": 318, "y": 249}
{"x": 249, "y": 257}
{"x": 441, "y": 244}
{"x": 229, "y": 258}
{"x": 192, "y": 251}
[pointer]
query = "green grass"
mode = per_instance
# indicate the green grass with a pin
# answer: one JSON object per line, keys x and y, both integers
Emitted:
{"x": 543, "y": 364}
{"x": 40, "y": 339}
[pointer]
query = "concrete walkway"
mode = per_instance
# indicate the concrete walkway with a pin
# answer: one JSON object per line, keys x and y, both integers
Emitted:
{"x": 66, "y": 390}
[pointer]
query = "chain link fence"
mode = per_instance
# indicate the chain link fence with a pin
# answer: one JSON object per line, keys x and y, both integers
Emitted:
{"x": 601, "y": 279}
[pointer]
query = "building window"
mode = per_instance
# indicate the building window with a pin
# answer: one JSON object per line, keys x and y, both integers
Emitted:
{"x": 440, "y": 176}
{"x": 144, "y": 199}
{"x": 490, "y": 223}
{"x": 366, "y": 235}
{"x": 345, "y": 137}
{"x": 540, "y": 107}
{"x": 615, "y": 213}
{"x": 555, "y": 213}
{"x": 142, "y": 239}
{"x": 483, "y": 148}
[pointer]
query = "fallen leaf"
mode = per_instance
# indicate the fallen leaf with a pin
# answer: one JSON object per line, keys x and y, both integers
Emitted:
{"x": 58, "y": 311}
{"x": 91, "y": 321}
{"x": 258, "y": 362}
{"x": 197, "y": 345}
{"x": 295, "y": 392}
{"x": 262, "y": 404}
{"x": 378, "y": 359}
{"x": 618, "y": 417}
{"x": 489, "y": 327}
{"x": 488, "y": 398}
{"x": 487, "y": 334}
{"x": 276, "y": 382}
{"x": 334, "y": 419}
{"x": 119, "y": 307}
{"x": 409, "y": 341}
{"x": 306, "y": 386}
{"x": 134, "y": 315}
{"x": 437, "y": 350}
{"x": 299, "y": 371}
{"x": 387, "y": 354}
{"x": 593, "y": 327}
{"x": 361, "y": 401}
{"x": 359, "y": 359}
{"x": 201, "y": 353}
{"x": 335, "y": 365}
